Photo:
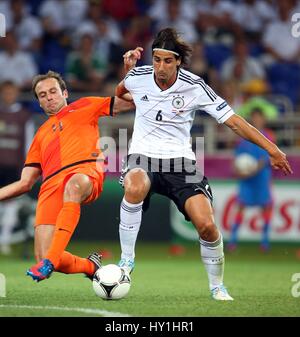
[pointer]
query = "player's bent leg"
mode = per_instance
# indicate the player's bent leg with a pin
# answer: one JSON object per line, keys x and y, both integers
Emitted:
{"x": 50, "y": 244}
{"x": 200, "y": 212}
{"x": 77, "y": 189}
{"x": 67, "y": 221}
{"x": 42, "y": 240}
{"x": 136, "y": 185}
{"x": 72, "y": 264}
{"x": 43, "y": 235}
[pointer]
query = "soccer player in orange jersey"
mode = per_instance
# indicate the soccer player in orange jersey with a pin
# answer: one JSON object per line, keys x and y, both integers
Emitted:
{"x": 64, "y": 151}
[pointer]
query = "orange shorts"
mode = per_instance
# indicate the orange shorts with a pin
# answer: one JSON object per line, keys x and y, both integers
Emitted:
{"x": 50, "y": 199}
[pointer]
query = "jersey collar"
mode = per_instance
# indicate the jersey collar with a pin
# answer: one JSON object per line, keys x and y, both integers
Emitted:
{"x": 63, "y": 111}
{"x": 164, "y": 90}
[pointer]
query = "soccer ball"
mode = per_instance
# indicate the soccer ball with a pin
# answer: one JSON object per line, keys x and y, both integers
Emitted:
{"x": 245, "y": 163}
{"x": 111, "y": 282}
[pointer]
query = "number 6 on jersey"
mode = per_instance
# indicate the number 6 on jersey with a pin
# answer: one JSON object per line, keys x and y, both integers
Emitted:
{"x": 159, "y": 116}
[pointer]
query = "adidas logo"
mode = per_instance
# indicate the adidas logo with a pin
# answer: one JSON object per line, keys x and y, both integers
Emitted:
{"x": 145, "y": 98}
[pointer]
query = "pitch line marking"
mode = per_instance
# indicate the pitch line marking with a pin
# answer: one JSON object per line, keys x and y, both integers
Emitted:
{"x": 103, "y": 313}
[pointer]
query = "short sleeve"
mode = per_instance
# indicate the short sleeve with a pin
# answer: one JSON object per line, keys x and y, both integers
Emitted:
{"x": 33, "y": 157}
{"x": 101, "y": 106}
{"x": 213, "y": 104}
{"x": 129, "y": 80}
{"x": 135, "y": 77}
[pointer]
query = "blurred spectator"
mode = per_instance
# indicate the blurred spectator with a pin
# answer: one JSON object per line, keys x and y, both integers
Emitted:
{"x": 16, "y": 65}
{"x": 253, "y": 98}
{"x": 214, "y": 22}
{"x": 187, "y": 9}
{"x": 174, "y": 19}
{"x": 252, "y": 16}
{"x": 99, "y": 24}
{"x": 241, "y": 66}
{"x": 85, "y": 71}
{"x": 277, "y": 39}
{"x": 121, "y": 11}
{"x": 244, "y": 99}
{"x": 107, "y": 37}
{"x": 16, "y": 132}
{"x": 199, "y": 65}
{"x": 255, "y": 185}
{"x": 138, "y": 33}
{"x": 231, "y": 92}
{"x": 59, "y": 20}
{"x": 109, "y": 47}
{"x": 58, "y": 15}
{"x": 27, "y": 28}
{"x": 16, "y": 127}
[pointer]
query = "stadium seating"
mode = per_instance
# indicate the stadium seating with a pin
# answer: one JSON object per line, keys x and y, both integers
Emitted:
{"x": 216, "y": 54}
{"x": 285, "y": 80}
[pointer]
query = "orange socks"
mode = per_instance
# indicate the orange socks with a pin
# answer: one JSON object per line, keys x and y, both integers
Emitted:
{"x": 71, "y": 264}
{"x": 66, "y": 223}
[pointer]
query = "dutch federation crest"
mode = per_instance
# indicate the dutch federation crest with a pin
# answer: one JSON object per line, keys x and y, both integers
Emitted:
{"x": 178, "y": 102}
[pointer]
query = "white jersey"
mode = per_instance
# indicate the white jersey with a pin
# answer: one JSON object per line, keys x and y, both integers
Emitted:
{"x": 164, "y": 117}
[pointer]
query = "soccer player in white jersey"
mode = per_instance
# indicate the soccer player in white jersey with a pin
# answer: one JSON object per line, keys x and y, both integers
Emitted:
{"x": 160, "y": 157}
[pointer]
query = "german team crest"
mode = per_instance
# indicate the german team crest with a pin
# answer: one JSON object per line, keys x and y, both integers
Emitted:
{"x": 178, "y": 102}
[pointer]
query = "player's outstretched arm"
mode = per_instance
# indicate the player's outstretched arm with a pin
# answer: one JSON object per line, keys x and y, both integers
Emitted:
{"x": 130, "y": 59}
{"x": 28, "y": 178}
{"x": 242, "y": 128}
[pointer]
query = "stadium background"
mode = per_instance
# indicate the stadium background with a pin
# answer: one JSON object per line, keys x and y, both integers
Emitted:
{"x": 244, "y": 49}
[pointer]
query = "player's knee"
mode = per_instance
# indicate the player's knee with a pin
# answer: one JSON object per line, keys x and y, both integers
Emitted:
{"x": 73, "y": 192}
{"x": 136, "y": 186}
{"x": 208, "y": 231}
{"x": 135, "y": 193}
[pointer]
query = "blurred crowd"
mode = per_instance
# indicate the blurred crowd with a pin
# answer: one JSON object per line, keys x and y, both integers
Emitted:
{"x": 241, "y": 47}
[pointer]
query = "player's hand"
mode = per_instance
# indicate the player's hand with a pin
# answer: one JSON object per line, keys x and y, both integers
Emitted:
{"x": 279, "y": 162}
{"x": 131, "y": 57}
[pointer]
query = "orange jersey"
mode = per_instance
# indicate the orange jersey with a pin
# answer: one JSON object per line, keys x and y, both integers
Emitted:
{"x": 69, "y": 138}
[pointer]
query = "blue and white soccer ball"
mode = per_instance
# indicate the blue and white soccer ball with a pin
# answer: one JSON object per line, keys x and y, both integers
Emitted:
{"x": 245, "y": 164}
{"x": 111, "y": 282}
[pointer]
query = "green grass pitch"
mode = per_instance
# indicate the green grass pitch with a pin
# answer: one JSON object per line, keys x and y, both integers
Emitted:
{"x": 162, "y": 285}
